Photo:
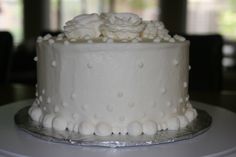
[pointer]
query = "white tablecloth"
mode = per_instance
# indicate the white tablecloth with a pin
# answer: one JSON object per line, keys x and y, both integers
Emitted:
{"x": 219, "y": 140}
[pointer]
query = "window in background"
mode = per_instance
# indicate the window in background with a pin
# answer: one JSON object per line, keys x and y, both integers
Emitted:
{"x": 11, "y": 18}
{"x": 63, "y": 10}
{"x": 215, "y": 16}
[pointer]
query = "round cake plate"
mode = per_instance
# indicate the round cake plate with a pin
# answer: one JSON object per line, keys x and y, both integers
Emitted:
{"x": 195, "y": 128}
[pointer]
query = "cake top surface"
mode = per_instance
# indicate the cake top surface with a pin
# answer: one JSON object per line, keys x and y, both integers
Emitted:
{"x": 113, "y": 27}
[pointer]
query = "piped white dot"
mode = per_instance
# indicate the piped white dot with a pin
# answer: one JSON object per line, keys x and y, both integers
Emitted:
{"x": 48, "y": 100}
{"x": 120, "y": 94}
{"x": 53, "y": 64}
{"x": 168, "y": 103}
{"x": 189, "y": 67}
{"x": 185, "y": 84}
{"x": 73, "y": 95}
{"x": 43, "y": 91}
{"x": 89, "y": 66}
{"x": 175, "y": 62}
{"x": 36, "y": 94}
{"x": 163, "y": 90}
{"x": 40, "y": 98}
{"x": 181, "y": 100}
{"x": 141, "y": 65}
{"x": 36, "y": 59}
{"x": 187, "y": 98}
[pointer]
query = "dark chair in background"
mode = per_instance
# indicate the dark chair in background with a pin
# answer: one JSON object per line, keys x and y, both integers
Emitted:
{"x": 206, "y": 62}
{"x": 6, "y": 47}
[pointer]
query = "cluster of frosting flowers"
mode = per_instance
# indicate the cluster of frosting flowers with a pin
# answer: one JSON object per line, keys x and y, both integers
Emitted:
{"x": 84, "y": 26}
{"x": 115, "y": 26}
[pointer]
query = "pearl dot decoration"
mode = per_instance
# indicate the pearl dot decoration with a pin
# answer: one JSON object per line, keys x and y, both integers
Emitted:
{"x": 173, "y": 123}
{"x": 73, "y": 96}
{"x": 103, "y": 129}
{"x": 149, "y": 127}
{"x": 86, "y": 128}
{"x": 175, "y": 62}
{"x": 49, "y": 100}
{"x": 120, "y": 94}
{"x": 185, "y": 84}
{"x": 36, "y": 114}
{"x": 135, "y": 128}
{"x": 141, "y": 65}
{"x": 183, "y": 121}
{"x": 59, "y": 123}
{"x": 163, "y": 90}
{"x": 47, "y": 120}
{"x": 53, "y": 64}
{"x": 36, "y": 59}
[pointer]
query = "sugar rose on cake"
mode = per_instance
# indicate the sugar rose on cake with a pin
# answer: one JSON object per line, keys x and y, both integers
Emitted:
{"x": 112, "y": 73}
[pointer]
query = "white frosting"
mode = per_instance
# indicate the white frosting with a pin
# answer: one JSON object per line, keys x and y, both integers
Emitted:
{"x": 111, "y": 86}
{"x": 103, "y": 129}
{"x": 47, "y": 120}
{"x": 36, "y": 114}
{"x": 116, "y": 26}
{"x": 83, "y": 26}
{"x": 59, "y": 123}
{"x": 86, "y": 128}
{"x": 122, "y": 26}
{"x": 135, "y": 128}
{"x": 173, "y": 123}
{"x": 149, "y": 128}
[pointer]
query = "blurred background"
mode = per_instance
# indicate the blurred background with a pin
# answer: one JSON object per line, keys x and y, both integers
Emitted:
{"x": 210, "y": 25}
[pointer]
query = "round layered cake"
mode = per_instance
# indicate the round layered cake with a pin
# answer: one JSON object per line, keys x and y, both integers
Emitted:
{"x": 112, "y": 74}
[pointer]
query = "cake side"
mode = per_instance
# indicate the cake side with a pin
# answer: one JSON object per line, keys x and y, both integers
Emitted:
{"x": 116, "y": 83}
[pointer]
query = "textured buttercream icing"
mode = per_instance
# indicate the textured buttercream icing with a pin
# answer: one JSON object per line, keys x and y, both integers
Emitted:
{"x": 112, "y": 74}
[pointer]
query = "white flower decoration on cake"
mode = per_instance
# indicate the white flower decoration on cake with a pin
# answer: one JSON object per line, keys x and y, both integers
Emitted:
{"x": 150, "y": 30}
{"x": 122, "y": 26}
{"x": 83, "y": 26}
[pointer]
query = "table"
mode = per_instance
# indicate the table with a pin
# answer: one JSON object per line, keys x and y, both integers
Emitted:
{"x": 219, "y": 140}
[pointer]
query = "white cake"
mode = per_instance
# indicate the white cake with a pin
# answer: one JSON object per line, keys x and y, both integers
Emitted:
{"x": 112, "y": 74}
